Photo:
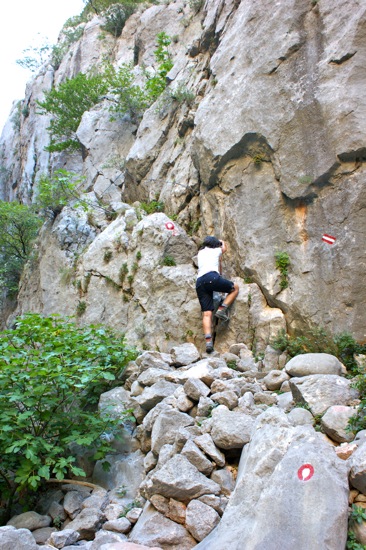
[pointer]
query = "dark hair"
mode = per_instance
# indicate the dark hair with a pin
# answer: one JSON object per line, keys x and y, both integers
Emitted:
{"x": 211, "y": 242}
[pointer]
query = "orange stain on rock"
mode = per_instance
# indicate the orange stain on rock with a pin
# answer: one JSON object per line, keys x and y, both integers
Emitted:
{"x": 300, "y": 215}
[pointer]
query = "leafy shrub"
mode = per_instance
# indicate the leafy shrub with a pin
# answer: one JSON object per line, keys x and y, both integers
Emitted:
{"x": 282, "y": 263}
{"x": 81, "y": 308}
{"x": 55, "y": 192}
{"x": 51, "y": 374}
{"x": 18, "y": 228}
{"x": 168, "y": 261}
{"x": 67, "y": 104}
{"x": 116, "y": 17}
{"x": 156, "y": 84}
{"x": 34, "y": 57}
{"x": 152, "y": 206}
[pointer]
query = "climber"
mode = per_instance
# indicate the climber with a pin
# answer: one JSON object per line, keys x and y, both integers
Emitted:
{"x": 209, "y": 279}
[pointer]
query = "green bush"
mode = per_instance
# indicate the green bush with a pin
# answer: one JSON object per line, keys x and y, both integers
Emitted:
{"x": 18, "y": 228}
{"x": 56, "y": 191}
{"x": 152, "y": 206}
{"x": 116, "y": 17}
{"x": 156, "y": 84}
{"x": 51, "y": 375}
{"x": 168, "y": 261}
{"x": 67, "y": 104}
{"x": 282, "y": 263}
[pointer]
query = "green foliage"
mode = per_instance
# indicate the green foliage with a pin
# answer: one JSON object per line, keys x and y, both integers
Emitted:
{"x": 130, "y": 98}
{"x": 138, "y": 255}
{"x": 123, "y": 272}
{"x": 116, "y": 17}
{"x": 18, "y": 228}
{"x": 182, "y": 95}
{"x": 55, "y": 192}
{"x": 51, "y": 375}
{"x": 81, "y": 308}
{"x": 168, "y": 261}
{"x": 34, "y": 57}
{"x": 196, "y": 5}
{"x": 358, "y": 514}
{"x": 156, "y": 84}
{"x": 108, "y": 254}
{"x": 282, "y": 263}
{"x": 152, "y": 206}
{"x": 67, "y": 104}
{"x": 352, "y": 542}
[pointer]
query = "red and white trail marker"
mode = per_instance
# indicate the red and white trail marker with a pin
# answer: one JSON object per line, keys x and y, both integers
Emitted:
{"x": 328, "y": 239}
{"x": 305, "y": 472}
{"x": 171, "y": 227}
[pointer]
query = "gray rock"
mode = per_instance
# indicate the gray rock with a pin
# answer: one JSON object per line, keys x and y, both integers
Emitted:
{"x": 228, "y": 398}
{"x": 205, "y": 442}
{"x": 285, "y": 401}
{"x": 197, "y": 458}
{"x": 166, "y": 452}
{"x": 230, "y": 430}
{"x": 87, "y": 523}
{"x": 12, "y": 538}
{"x": 313, "y": 363}
{"x": 104, "y": 538}
{"x": 265, "y": 398}
{"x": 150, "y": 461}
{"x": 59, "y": 539}
{"x": 120, "y": 525}
{"x": 166, "y": 427}
{"x": 56, "y": 510}
{"x": 321, "y": 391}
{"x": 357, "y": 465}
{"x": 300, "y": 417}
{"x": 72, "y": 503}
{"x": 297, "y": 469}
{"x": 335, "y": 421}
{"x": 275, "y": 379}
{"x": 43, "y": 534}
{"x": 200, "y": 519}
{"x": 154, "y": 529}
{"x": 127, "y": 470}
{"x": 29, "y": 520}
{"x": 184, "y": 354}
{"x": 178, "y": 479}
{"x": 154, "y": 359}
{"x": 151, "y": 376}
{"x": 133, "y": 515}
{"x": 195, "y": 389}
{"x": 201, "y": 370}
{"x": 152, "y": 395}
{"x": 225, "y": 479}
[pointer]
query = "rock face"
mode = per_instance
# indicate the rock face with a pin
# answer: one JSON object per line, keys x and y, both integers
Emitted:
{"x": 273, "y": 173}
{"x": 296, "y": 469}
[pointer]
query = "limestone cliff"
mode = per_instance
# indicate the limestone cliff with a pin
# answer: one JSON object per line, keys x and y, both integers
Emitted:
{"x": 269, "y": 156}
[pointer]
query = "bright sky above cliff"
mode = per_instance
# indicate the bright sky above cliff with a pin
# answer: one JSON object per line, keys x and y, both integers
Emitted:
{"x": 24, "y": 24}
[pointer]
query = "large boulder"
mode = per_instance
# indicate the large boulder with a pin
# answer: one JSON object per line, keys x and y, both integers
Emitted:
{"x": 296, "y": 469}
{"x": 178, "y": 479}
{"x": 230, "y": 430}
{"x": 321, "y": 391}
{"x": 313, "y": 363}
{"x": 12, "y": 538}
{"x": 30, "y": 520}
{"x": 154, "y": 529}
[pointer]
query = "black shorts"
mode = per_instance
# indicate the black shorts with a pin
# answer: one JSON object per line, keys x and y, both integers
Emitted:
{"x": 208, "y": 284}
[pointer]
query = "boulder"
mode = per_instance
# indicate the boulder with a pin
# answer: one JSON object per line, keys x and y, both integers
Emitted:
{"x": 120, "y": 525}
{"x": 197, "y": 458}
{"x": 87, "y": 523}
{"x": 150, "y": 376}
{"x": 228, "y": 398}
{"x": 357, "y": 465}
{"x": 321, "y": 391}
{"x": 152, "y": 395}
{"x": 72, "y": 503}
{"x": 184, "y": 354}
{"x": 103, "y": 538}
{"x": 178, "y": 479}
{"x": 200, "y": 519}
{"x": 335, "y": 421}
{"x": 30, "y": 520}
{"x": 295, "y": 468}
{"x": 300, "y": 417}
{"x": 166, "y": 427}
{"x": 43, "y": 534}
{"x": 275, "y": 379}
{"x": 195, "y": 389}
{"x": 225, "y": 479}
{"x": 66, "y": 537}
{"x": 230, "y": 430}
{"x": 154, "y": 529}
{"x": 12, "y": 538}
{"x": 205, "y": 442}
{"x": 313, "y": 363}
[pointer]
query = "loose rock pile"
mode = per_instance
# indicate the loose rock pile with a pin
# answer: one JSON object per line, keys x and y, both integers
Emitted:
{"x": 176, "y": 477}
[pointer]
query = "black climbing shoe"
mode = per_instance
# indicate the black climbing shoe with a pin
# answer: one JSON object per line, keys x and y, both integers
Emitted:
{"x": 209, "y": 347}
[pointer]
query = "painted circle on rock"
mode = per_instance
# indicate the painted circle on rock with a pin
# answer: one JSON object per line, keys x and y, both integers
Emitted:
{"x": 169, "y": 225}
{"x": 305, "y": 472}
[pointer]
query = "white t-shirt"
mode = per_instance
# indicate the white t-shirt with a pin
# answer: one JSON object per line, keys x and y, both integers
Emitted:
{"x": 208, "y": 260}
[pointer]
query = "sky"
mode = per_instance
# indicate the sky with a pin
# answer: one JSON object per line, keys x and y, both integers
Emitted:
{"x": 27, "y": 23}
